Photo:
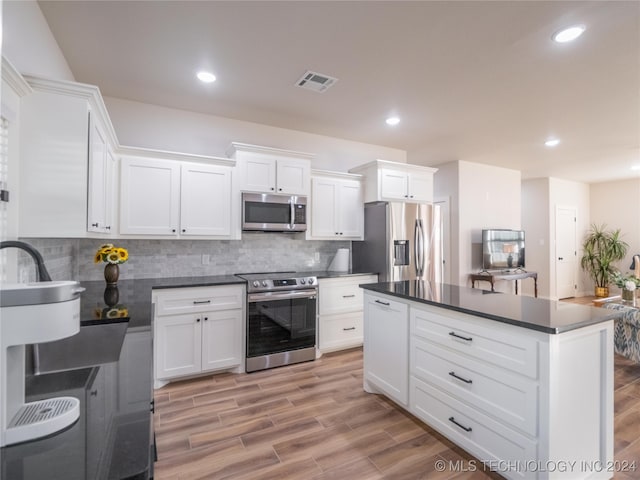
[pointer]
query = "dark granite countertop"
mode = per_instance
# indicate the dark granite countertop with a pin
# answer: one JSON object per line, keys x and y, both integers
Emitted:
{"x": 539, "y": 314}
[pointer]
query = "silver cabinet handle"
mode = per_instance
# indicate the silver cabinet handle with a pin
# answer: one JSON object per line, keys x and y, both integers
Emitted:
{"x": 348, "y": 296}
{"x": 383, "y": 303}
{"x": 200, "y": 302}
{"x": 349, "y": 328}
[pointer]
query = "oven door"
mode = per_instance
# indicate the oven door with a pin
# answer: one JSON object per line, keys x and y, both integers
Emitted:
{"x": 280, "y": 321}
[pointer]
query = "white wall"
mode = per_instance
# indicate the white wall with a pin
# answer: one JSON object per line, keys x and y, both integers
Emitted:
{"x": 535, "y": 223}
{"x": 617, "y": 205}
{"x": 152, "y": 126}
{"x": 445, "y": 186}
{"x": 28, "y": 42}
{"x": 482, "y": 196}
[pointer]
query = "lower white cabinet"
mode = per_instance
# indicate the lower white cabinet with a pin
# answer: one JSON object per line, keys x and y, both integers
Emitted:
{"x": 386, "y": 347}
{"x": 532, "y": 405}
{"x": 197, "y": 330}
{"x": 340, "y": 312}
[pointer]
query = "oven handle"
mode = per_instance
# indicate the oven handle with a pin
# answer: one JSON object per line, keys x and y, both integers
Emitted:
{"x": 272, "y": 296}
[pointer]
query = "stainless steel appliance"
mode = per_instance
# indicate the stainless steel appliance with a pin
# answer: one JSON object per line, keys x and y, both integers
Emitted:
{"x": 266, "y": 212}
{"x": 402, "y": 241}
{"x": 281, "y": 319}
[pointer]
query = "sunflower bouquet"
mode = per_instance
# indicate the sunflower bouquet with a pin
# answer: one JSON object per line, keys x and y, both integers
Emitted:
{"x": 109, "y": 254}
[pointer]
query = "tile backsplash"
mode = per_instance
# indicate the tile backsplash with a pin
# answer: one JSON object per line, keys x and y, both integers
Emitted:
{"x": 257, "y": 252}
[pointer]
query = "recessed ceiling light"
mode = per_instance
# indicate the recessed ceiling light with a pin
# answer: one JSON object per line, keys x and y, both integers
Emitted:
{"x": 392, "y": 121}
{"x": 552, "y": 142}
{"x": 569, "y": 34}
{"x": 635, "y": 167}
{"x": 206, "y": 77}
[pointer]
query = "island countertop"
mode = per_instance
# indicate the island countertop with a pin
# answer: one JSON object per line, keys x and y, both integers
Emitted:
{"x": 548, "y": 316}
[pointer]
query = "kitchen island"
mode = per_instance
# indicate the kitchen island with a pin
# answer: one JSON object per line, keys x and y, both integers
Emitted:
{"x": 524, "y": 384}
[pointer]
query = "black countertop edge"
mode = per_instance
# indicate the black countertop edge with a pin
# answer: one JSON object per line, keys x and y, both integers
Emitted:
{"x": 530, "y": 317}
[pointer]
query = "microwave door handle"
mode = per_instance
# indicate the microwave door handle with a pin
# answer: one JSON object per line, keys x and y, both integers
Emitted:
{"x": 293, "y": 214}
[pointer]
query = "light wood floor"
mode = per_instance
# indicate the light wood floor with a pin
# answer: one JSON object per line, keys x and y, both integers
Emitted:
{"x": 314, "y": 421}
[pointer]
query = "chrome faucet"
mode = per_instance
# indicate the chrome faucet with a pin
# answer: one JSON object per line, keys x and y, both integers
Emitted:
{"x": 43, "y": 275}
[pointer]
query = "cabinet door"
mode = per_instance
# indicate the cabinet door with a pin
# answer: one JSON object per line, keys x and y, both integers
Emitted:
{"x": 350, "y": 210}
{"x": 393, "y": 184}
{"x": 421, "y": 187}
{"x": 150, "y": 196}
{"x": 260, "y": 174}
{"x": 221, "y": 339}
{"x": 324, "y": 208}
{"x": 97, "y": 189}
{"x": 178, "y": 345}
{"x": 386, "y": 332}
{"x": 293, "y": 176}
{"x": 205, "y": 200}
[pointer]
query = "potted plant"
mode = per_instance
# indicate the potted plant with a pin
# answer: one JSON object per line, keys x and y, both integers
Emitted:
{"x": 601, "y": 249}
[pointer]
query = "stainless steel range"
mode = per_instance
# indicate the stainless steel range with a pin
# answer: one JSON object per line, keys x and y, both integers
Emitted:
{"x": 281, "y": 319}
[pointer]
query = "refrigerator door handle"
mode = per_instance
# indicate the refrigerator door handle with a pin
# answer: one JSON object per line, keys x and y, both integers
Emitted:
{"x": 418, "y": 243}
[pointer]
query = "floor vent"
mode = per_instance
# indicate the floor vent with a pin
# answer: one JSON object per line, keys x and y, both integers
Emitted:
{"x": 317, "y": 82}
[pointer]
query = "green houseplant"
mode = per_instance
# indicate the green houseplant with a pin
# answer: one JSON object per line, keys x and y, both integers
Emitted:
{"x": 601, "y": 249}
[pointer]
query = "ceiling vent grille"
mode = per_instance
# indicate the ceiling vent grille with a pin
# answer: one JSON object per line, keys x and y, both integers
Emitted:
{"x": 318, "y": 82}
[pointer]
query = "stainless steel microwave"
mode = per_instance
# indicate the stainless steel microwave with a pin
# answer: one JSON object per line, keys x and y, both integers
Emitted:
{"x": 266, "y": 212}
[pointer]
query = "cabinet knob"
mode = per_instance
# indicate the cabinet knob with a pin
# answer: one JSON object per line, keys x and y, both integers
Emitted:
{"x": 197, "y": 319}
{"x": 173, "y": 230}
{"x": 183, "y": 230}
{"x": 340, "y": 233}
{"x": 94, "y": 393}
{"x": 108, "y": 227}
{"x": 206, "y": 318}
{"x": 410, "y": 196}
{"x": 272, "y": 189}
{"x": 337, "y": 233}
{"x": 406, "y": 196}
{"x": 94, "y": 224}
{"x": 279, "y": 189}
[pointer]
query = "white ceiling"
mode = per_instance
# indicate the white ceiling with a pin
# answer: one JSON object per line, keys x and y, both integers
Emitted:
{"x": 479, "y": 81}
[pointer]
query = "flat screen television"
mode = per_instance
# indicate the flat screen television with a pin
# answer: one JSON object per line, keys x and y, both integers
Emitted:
{"x": 502, "y": 249}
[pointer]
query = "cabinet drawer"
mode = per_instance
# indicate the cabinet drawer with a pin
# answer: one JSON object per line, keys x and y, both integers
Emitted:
{"x": 200, "y": 299}
{"x": 499, "y": 344}
{"x": 340, "y": 331}
{"x": 506, "y": 396}
{"x": 478, "y": 434}
{"x": 337, "y": 295}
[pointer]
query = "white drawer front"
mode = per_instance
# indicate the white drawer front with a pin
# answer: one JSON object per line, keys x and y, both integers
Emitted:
{"x": 498, "y": 345}
{"x": 199, "y": 299}
{"x": 337, "y": 295}
{"x": 483, "y": 437}
{"x": 506, "y": 396}
{"x": 340, "y": 331}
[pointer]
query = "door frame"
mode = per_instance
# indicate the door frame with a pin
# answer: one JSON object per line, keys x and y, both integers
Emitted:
{"x": 574, "y": 209}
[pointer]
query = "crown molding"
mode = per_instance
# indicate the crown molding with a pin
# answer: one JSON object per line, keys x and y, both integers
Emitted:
{"x": 168, "y": 155}
{"x": 236, "y": 147}
{"x": 14, "y": 78}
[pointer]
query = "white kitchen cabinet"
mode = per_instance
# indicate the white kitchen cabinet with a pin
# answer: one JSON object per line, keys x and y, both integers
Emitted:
{"x": 177, "y": 199}
{"x": 386, "y": 347}
{"x": 101, "y": 188}
{"x": 205, "y": 206}
{"x": 507, "y": 394}
{"x": 337, "y": 211}
{"x": 149, "y": 196}
{"x": 197, "y": 330}
{"x": 65, "y": 137}
{"x": 272, "y": 170}
{"x": 392, "y": 181}
{"x": 340, "y": 312}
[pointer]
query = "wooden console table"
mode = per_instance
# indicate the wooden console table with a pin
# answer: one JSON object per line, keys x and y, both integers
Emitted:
{"x": 491, "y": 277}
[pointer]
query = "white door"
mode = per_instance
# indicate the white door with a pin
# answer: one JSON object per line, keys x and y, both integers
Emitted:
{"x": 420, "y": 187}
{"x": 221, "y": 339}
{"x": 323, "y": 208}
{"x": 350, "y": 212}
{"x": 394, "y": 184}
{"x": 178, "y": 345}
{"x": 260, "y": 174}
{"x": 150, "y": 196}
{"x": 293, "y": 177}
{"x": 205, "y": 200}
{"x": 566, "y": 252}
{"x": 97, "y": 195}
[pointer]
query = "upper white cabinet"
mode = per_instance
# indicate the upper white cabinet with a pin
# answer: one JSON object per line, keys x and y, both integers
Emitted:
{"x": 337, "y": 211}
{"x": 394, "y": 181}
{"x": 173, "y": 198}
{"x": 65, "y": 167}
{"x": 272, "y": 170}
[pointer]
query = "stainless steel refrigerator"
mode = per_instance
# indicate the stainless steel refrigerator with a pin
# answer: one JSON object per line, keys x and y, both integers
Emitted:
{"x": 402, "y": 241}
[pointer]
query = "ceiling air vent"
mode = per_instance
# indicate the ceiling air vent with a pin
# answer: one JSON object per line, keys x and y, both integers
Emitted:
{"x": 317, "y": 82}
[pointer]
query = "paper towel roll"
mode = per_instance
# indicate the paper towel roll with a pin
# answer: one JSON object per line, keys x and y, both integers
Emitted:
{"x": 340, "y": 262}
